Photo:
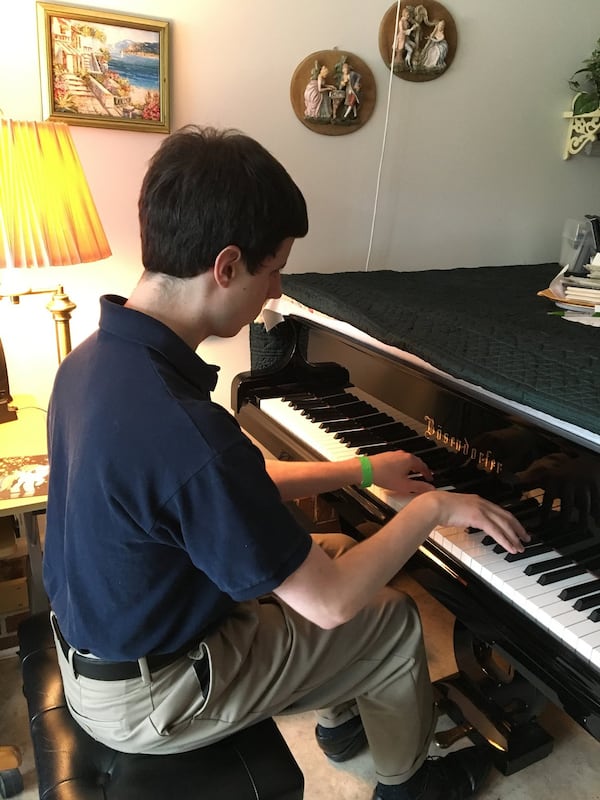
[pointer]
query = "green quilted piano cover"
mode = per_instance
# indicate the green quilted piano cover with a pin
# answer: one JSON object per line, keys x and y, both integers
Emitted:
{"x": 485, "y": 325}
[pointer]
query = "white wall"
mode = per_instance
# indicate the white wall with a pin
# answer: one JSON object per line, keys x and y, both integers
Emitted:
{"x": 473, "y": 172}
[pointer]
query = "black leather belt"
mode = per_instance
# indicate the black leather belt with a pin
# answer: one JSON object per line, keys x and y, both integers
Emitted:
{"x": 101, "y": 670}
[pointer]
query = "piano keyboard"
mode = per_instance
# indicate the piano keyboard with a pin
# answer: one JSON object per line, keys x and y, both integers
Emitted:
{"x": 556, "y": 590}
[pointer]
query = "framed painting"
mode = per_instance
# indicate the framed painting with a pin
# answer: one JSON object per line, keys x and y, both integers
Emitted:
{"x": 103, "y": 69}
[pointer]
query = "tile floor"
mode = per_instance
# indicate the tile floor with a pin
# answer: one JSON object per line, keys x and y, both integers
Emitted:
{"x": 571, "y": 772}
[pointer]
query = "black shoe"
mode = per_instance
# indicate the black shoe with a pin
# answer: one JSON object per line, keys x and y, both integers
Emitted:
{"x": 342, "y": 742}
{"x": 455, "y": 777}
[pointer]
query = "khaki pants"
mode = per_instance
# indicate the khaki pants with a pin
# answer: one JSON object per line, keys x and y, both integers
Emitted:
{"x": 266, "y": 660}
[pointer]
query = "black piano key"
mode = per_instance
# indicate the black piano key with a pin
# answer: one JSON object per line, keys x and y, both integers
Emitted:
{"x": 376, "y": 434}
{"x": 286, "y": 398}
{"x": 424, "y": 447}
{"x": 561, "y": 574}
{"x": 440, "y": 481}
{"x": 456, "y": 467}
{"x": 595, "y": 615}
{"x": 524, "y": 510}
{"x": 441, "y": 460}
{"x": 497, "y": 492}
{"x": 532, "y": 549}
{"x": 290, "y": 397}
{"x": 415, "y": 444}
{"x": 373, "y": 449}
{"x": 583, "y": 551}
{"x": 519, "y": 505}
{"x": 474, "y": 485}
{"x": 582, "y": 566}
{"x": 529, "y": 552}
{"x": 527, "y": 516}
{"x": 435, "y": 457}
{"x": 454, "y": 470}
{"x": 577, "y": 552}
{"x": 550, "y": 564}
{"x": 571, "y": 542}
{"x": 546, "y": 529}
{"x": 467, "y": 479}
{"x": 587, "y": 602}
{"x": 344, "y": 412}
{"x": 357, "y": 423}
{"x": 571, "y": 592}
{"x": 375, "y": 441}
{"x": 339, "y": 398}
{"x": 330, "y": 401}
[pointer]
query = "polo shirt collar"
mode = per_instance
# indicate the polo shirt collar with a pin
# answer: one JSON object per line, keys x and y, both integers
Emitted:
{"x": 135, "y": 326}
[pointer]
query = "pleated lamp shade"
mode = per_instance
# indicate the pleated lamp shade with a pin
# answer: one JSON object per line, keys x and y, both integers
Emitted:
{"x": 47, "y": 214}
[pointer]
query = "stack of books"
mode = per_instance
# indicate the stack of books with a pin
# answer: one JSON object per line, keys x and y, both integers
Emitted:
{"x": 584, "y": 289}
{"x": 575, "y": 291}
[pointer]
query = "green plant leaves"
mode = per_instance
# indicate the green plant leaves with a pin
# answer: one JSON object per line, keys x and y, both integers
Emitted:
{"x": 588, "y": 99}
{"x": 586, "y": 103}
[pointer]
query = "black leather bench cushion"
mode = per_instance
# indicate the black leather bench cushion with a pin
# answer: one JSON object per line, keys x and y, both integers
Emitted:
{"x": 254, "y": 764}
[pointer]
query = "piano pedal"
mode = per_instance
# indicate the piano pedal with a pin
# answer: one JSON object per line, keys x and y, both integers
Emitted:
{"x": 514, "y": 746}
{"x": 10, "y": 758}
{"x": 445, "y": 739}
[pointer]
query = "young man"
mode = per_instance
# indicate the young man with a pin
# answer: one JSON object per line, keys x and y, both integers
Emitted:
{"x": 187, "y": 602}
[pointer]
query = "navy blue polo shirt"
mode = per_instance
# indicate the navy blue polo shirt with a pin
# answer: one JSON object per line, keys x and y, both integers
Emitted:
{"x": 161, "y": 515}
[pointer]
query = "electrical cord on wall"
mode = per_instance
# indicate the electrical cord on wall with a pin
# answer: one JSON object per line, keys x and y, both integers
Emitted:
{"x": 383, "y": 142}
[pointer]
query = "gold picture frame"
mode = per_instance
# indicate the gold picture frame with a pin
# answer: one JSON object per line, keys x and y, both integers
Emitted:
{"x": 103, "y": 69}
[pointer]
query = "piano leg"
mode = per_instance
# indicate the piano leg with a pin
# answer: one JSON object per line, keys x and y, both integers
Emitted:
{"x": 489, "y": 700}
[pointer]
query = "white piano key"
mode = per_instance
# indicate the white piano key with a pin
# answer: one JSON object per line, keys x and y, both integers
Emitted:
{"x": 541, "y": 602}
{"x": 592, "y": 645}
{"x": 558, "y": 622}
{"x": 577, "y": 636}
{"x": 290, "y": 418}
{"x": 528, "y": 589}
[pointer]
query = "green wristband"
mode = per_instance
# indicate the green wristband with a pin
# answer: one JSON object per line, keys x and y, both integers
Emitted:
{"x": 367, "y": 472}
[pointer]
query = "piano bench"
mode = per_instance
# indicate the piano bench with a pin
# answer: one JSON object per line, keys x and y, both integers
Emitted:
{"x": 254, "y": 764}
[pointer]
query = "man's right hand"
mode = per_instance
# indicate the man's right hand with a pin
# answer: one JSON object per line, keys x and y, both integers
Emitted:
{"x": 470, "y": 510}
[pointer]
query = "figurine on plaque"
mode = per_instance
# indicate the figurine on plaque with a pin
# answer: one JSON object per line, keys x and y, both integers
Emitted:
{"x": 420, "y": 46}
{"x": 333, "y": 92}
{"x": 349, "y": 85}
{"x": 317, "y": 95}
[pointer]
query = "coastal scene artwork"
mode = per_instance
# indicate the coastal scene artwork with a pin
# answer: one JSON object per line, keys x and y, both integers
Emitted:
{"x": 333, "y": 92}
{"x": 104, "y": 69}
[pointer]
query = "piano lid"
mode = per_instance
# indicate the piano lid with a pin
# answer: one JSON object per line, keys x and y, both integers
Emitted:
{"x": 484, "y": 328}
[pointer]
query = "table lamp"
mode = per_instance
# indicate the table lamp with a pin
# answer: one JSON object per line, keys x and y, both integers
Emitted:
{"x": 47, "y": 218}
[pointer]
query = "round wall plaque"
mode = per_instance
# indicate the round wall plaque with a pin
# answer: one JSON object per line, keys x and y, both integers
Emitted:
{"x": 333, "y": 92}
{"x": 422, "y": 45}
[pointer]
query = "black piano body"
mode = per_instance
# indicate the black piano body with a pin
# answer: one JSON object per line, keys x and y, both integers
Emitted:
{"x": 505, "y": 423}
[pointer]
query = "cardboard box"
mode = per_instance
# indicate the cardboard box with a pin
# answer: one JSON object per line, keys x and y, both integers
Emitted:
{"x": 8, "y": 542}
{"x": 14, "y": 595}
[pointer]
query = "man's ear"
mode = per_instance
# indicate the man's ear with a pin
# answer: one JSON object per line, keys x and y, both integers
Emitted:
{"x": 227, "y": 264}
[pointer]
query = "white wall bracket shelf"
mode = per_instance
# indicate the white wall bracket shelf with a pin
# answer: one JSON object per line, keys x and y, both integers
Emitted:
{"x": 583, "y": 131}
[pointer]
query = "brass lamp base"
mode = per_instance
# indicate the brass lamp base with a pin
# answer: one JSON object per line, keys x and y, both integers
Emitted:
{"x": 60, "y": 306}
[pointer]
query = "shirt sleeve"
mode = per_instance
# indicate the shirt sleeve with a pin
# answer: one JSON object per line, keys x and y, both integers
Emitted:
{"x": 235, "y": 527}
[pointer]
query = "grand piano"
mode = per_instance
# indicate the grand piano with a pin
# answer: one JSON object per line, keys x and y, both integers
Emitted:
{"x": 500, "y": 396}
